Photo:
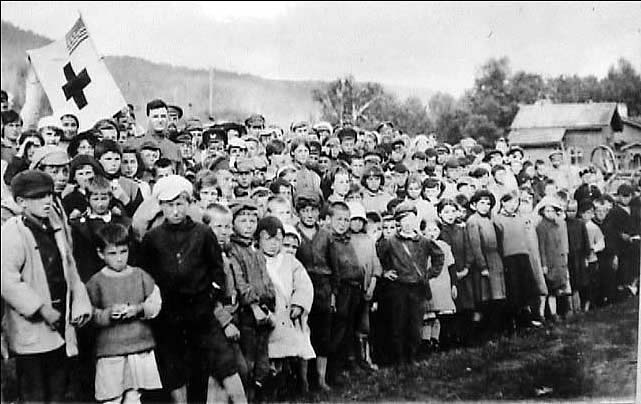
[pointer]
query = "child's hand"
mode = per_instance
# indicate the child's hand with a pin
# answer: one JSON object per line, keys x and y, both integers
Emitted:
{"x": 232, "y": 333}
{"x": 81, "y": 321}
{"x": 615, "y": 262}
{"x": 545, "y": 270}
{"x": 463, "y": 273}
{"x": 374, "y": 306}
{"x": 332, "y": 303}
{"x": 390, "y": 275}
{"x": 50, "y": 315}
{"x": 295, "y": 312}
{"x": 75, "y": 214}
{"x": 117, "y": 311}
{"x": 454, "y": 292}
{"x": 132, "y": 311}
{"x": 485, "y": 273}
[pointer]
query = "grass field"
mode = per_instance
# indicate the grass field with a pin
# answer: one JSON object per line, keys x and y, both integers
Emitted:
{"x": 587, "y": 357}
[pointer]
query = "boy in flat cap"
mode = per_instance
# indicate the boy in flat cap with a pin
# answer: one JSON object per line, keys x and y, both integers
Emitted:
{"x": 185, "y": 260}
{"x": 256, "y": 294}
{"x": 45, "y": 297}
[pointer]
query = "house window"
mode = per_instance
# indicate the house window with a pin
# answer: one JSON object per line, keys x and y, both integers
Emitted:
{"x": 576, "y": 155}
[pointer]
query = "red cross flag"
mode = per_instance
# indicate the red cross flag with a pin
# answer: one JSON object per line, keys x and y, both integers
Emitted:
{"x": 76, "y": 79}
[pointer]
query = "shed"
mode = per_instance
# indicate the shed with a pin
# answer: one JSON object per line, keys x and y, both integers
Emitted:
{"x": 577, "y": 129}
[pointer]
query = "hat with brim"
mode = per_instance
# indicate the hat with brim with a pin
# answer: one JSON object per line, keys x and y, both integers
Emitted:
{"x": 49, "y": 122}
{"x": 260, "y": 192}
{"x": 179, "y": 111}
{"x": 291, "y": 231}
{"x": 403, "y": 209}
{"x": 241, "y": 205}
{"x": 489, "y": 154}
{"x": 32, "y": 184}
{"x": 49, "y": 155}
{"x": 356, "y": 211}
{"x": 149, "y": 145}
{"x": 308, "y": 198}
{"x": 548, "y": 201}
{"x": 555, "y": 153}
{"x": 170, "y": 187}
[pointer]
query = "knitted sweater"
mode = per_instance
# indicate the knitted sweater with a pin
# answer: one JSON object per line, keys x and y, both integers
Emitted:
{"x": 131, "y": 286}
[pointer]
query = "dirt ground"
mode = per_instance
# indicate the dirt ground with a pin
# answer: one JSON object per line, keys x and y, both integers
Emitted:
{"x": 587, "y": 357}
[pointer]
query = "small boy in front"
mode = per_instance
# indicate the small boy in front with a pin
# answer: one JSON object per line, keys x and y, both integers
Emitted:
{"x": 45, "y": 297}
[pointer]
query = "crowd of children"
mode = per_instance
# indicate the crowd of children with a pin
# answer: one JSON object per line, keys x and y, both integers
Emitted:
{"x": 214, "y": 263}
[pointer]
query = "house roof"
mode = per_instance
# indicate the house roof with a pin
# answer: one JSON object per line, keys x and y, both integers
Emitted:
{"x": 632, "y": 122}
{"x": 568, "y": 116}
{"x": 535, "y": 136}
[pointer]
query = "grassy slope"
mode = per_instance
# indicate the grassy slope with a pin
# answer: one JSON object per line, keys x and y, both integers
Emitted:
{"x": 591, "y": 355}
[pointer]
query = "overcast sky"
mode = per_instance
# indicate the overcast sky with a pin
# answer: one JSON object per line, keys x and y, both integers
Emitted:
{"x": 438, "y": 46}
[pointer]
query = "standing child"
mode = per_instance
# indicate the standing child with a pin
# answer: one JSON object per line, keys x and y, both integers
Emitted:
{"x": 454, "y": 235}
{"x": 256, "y": 294}
{"x": 518, "y": 271}
{"x": 487, "y": 266}
{"x": 596, "y": 241}
{"x": 290, "y": 339}
{"x": 444, "y": 291}
{"x": 553, "y": 246}
{"x": 45, "y": 298}
{"x": 123, "y": 297}
{"x": 365, "y": 248}
{"x": 579, "y": 249}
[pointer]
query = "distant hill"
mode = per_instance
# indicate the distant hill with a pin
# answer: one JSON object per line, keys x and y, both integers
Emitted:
{"x": 235, "y": 95}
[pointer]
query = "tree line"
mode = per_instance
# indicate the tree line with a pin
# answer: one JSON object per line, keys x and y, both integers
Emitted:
{"x": 485, "y": 111}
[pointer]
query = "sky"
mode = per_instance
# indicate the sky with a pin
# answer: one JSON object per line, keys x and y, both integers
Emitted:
{"x": 434, "y": 46}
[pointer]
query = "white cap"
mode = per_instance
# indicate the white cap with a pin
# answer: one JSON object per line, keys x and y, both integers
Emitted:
{"x": 356, "y": 211}
{"x": 49, "y": 121}
{"x": 168, "y": 188}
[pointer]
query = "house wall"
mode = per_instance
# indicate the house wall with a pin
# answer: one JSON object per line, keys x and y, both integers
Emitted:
{"x": 541, "y": 152}
{"x": 583, "y": 141}
{"x": 630, "y": 134}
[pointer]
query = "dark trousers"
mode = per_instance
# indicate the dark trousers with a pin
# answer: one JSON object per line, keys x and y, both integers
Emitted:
{"x": 402, "y": 306}
{"x": 43, "y": 377}
{"x": 254, "y": 344}
{"x": 607, "y": 279}
{"x": 320, "y": 316}
{"x": 348, "y": 302}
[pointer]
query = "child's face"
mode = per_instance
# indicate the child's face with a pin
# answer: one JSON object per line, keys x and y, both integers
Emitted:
{"x": 270, "y": 245}
{"x": 129, "y": 165}
{"x": 340, "y": 221}
{"x": 110, "y": 162}
{"x": 38, "y": 207}
{"x": 115, "y": 256}
{"x": 354, "y": 197}
{"x": 389, "y": 229}
{"x": 431, "y": 193}
{"x": 511, "y": 205}
{"x": 550, "y": 213}
{"x": 285, "y": 192}
{"x": 175, "y": 211}
{"x": 99, "y": 202}
{"x": 357, "y": 167}
{"x": 374, "y": 230}
{"x": 587, "y": 214}
{"x": 290, "y": 245}
{"x": 222, "y": 227}
{"x": 341, "y": 184}
{"x": 467, "y": 190}
{"x": 149, "y": 157}
{"x": 356, "y": 225}
{"x": 408, "y": 223}
{"x": 309, "y": 216}
{"x": 431, "y": 231}
{"x": 281, "y": 211}
{"x": 483, "y": 206}
{"x": 414, "y": 190}
{"x": 244, "y": 179}
{"x": 208, "y": 195}
{"x": 245, "y": 224}
{"x": 449, "y": 214}
{"x": 84, "y": 174}
{"x": 162, "y": 172}
{"x": 484, "y": 180}
{"x": 373, "y": 183}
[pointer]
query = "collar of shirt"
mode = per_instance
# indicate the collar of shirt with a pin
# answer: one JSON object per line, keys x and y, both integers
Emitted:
{"x": 105, "y": 218}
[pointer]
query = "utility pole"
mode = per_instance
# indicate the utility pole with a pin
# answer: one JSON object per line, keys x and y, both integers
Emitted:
{"x": 211, "y": 92}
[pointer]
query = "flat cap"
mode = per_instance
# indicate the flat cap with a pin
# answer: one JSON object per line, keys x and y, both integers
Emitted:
{"x": 32, "y": 184}
{"x": 244, "y": 165}
{"x": 403, "y": 209}
{"x": 242, "y": 204}
{"x": 49, "y": 155}
{"x": 49, "y": 122}
{"x": 149, "y": 145}
{"x": 168, "y": 188}
{"x": 255, "y": 120}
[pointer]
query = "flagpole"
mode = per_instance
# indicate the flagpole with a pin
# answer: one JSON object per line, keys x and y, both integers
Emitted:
{"x": 211, "y": 92}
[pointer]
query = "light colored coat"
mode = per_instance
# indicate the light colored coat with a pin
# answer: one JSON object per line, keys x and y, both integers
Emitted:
{"x": 293, "y": 287}
{"x": 25, "y": 289}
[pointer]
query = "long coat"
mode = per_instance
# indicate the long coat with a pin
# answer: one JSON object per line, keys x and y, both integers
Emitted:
{"x": 25, "y": 289}
{"x": 486, "y": 256}
{"x": 553, "y": 244}
{"x": 293, "y": 287}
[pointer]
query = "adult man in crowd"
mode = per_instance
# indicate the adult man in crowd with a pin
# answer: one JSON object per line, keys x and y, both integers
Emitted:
{"x": 157, "y": 112}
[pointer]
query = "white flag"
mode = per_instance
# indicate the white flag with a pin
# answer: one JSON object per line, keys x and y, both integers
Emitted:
{"x": 75, "y": 79}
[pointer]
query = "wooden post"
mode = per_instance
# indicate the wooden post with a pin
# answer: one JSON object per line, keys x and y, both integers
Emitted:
{"x": 211, "y": 92}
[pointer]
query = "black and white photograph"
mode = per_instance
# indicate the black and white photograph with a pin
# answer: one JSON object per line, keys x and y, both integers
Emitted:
{"x": 320, "y": 202}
